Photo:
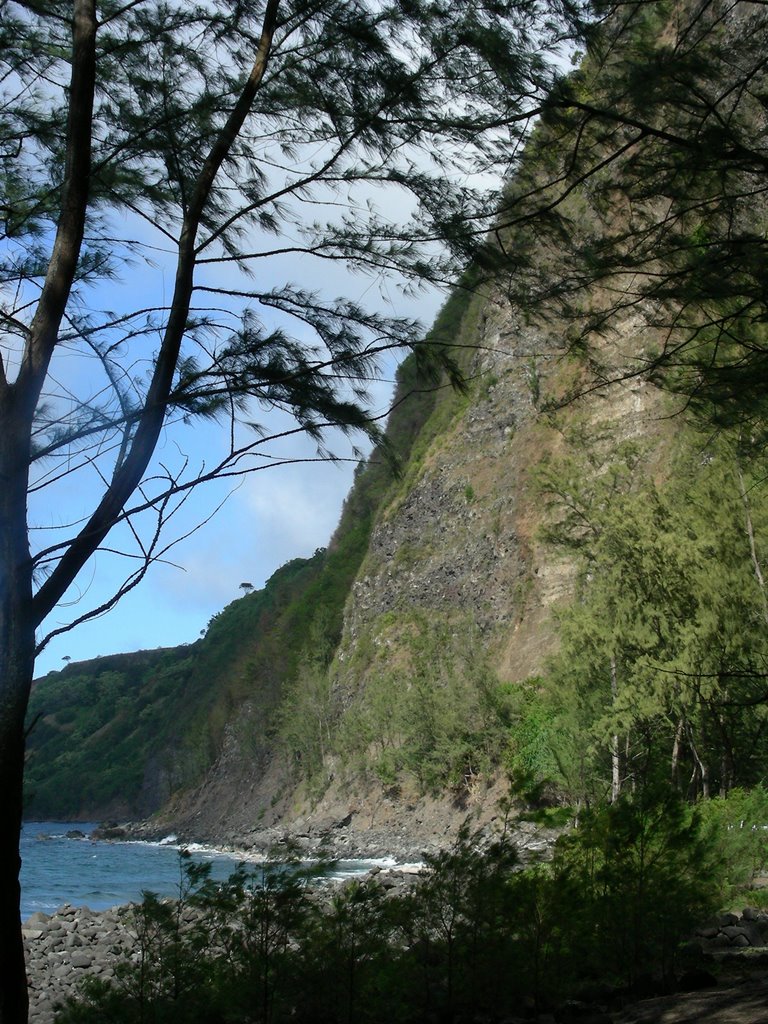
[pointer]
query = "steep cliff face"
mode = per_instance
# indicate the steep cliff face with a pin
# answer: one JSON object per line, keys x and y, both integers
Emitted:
{"x": 456, "y": 553}
{"x": 389, "y": 686}
{"x": 377, "y": 685}
{"x": 379, "y": 678}
{"x": 460, "y": 535}
{"x": 450, "y": 593}
{"x": 457, "y": 537}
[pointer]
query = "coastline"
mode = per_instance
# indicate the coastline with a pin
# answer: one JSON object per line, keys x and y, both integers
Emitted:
{"x": 111, "y": 865}
{"x": 74, "y": 944}
{"x": 344, "y": 838}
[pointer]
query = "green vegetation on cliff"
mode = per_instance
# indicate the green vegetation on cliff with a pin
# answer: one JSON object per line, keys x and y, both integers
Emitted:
{"x": 436, "y": 714}
{"x": 661, "y": 667}
{"x": 662, "y": 655}
{"x": 119, "y": 735}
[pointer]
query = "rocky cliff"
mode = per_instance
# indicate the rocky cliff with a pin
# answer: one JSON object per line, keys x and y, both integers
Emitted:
{"x": 365, "y": 686}
{"x": 385, "y": 691}
{"x": 456, "y": 562}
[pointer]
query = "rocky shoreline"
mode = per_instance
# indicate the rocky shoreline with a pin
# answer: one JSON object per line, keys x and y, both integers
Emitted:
{"x": 338, "y": 839}
{"x": 73, "y": 944}
{"x": 77, "y": 943}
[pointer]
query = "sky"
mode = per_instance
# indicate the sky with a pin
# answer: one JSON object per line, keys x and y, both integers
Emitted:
{"x": 266, "y": 519}
{"x": 283, "y": 512}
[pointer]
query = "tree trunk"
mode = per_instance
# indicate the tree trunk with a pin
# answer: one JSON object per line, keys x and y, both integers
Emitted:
{"x": 700, "y": 767}
{"x": 676, "y": 744}
{"x": 752, "y": 546}
{"x": 615, "y": 756}
{"x": 13, "y": 979}
{"x": 17, "y": 659}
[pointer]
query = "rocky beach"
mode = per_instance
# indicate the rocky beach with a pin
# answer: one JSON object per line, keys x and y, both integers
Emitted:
{"x": 76, "y": 943}
{"x": 729, "y": 985}
{"x": 73, "y": 944}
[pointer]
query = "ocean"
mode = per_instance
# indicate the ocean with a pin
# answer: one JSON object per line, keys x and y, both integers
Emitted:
{"x": 98, "y": 874}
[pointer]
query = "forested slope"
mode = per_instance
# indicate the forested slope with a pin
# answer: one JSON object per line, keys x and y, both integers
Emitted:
{"x": 561, "y": 595}
{"x": 119, "y": 735}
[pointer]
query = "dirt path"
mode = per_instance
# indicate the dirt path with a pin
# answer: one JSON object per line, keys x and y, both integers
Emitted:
{"x": 744, "y": 1002}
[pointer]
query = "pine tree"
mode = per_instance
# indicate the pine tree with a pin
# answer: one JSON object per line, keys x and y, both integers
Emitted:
{"x": 214, "y": 137}
{"x": 645, "y": 190}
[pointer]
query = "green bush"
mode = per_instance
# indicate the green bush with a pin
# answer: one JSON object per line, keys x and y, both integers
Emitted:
{"x": 476, "y": 938}
{"x": 738, "y": 824}
{"x": 634, "y": 879}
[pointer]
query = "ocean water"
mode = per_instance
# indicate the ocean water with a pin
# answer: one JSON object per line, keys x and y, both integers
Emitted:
{"x": 57, "y": 870}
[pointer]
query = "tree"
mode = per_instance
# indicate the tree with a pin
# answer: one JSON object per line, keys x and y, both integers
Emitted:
{"x": 206, "y": 137}
{"x": 643, "y": 201}
{"x": 661, "y": 671}
{"x": 633, "y": 880}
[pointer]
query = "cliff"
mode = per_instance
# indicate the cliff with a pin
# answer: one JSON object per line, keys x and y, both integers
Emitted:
{"x": 558, "y": 594}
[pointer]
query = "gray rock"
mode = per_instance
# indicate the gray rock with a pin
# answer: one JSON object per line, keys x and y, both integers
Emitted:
{"x": 37, "y": 920}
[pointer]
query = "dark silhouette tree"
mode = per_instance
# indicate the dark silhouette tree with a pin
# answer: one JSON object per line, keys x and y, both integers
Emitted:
{"x": 217, "y": 138}
{"x": 640, "y": 213}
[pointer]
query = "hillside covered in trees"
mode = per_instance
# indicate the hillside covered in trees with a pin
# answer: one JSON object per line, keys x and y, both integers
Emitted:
{"x": 552, "y": 580}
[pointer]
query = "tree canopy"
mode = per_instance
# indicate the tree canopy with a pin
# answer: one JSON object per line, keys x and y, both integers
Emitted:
{"x": 646, "y": 189}
{"x": 661, "y": 674}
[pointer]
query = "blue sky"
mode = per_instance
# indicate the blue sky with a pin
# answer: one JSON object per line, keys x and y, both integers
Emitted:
{"x": 267, "y": 518}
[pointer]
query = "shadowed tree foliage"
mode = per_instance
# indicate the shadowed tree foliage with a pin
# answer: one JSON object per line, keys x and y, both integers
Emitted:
{"x": 474, "y": 938}
{"x": 644, "y": 197}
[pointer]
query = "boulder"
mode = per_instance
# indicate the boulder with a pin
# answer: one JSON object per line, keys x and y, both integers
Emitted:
{"x": 37, "y": 919}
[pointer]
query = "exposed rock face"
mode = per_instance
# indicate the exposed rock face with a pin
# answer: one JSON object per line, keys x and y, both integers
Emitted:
{"x": 460, "y": 538}
{"x": 457, "y": 542}
{"x": 456, "y": 539}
